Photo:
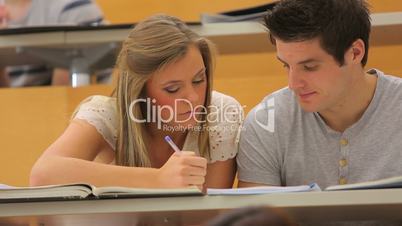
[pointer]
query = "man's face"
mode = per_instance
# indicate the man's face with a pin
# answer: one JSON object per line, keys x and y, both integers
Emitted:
{"x": 316, "y": 79}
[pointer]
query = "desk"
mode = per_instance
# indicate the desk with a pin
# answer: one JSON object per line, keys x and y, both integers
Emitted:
{"x": 82, "y": 50}
{"x": 230, "y": 38}
{"x": 383, "y": 204}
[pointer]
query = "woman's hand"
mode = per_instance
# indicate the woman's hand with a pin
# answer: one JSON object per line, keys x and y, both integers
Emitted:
{"x": 182, "y": 170}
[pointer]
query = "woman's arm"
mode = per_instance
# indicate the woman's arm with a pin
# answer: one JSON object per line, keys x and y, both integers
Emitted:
{"x": 70, "y": 160}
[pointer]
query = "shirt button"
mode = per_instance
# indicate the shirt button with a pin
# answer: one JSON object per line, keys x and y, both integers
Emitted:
{"x": 342, "y": 181}
{"x": 343, "y": 142}
{"x": 343, "y": 162}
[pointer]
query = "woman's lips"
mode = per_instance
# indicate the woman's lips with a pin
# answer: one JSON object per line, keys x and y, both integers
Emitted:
{"x": 186, "y": 113}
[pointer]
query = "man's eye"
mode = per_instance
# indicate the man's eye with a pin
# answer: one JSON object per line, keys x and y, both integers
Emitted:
{"x": 310, "y": 68}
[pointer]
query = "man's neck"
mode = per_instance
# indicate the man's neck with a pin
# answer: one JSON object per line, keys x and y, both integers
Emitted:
{"x": 353, "y": 105}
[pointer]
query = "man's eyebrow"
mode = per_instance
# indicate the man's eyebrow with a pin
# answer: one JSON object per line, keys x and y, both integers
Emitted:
{"x": 308, "y": 61}
{"x": 277, "y": 57}
{"x": 301, "y": 62}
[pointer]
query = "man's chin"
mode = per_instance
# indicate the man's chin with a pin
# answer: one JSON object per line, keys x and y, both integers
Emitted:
{"x": 309, "y": 107}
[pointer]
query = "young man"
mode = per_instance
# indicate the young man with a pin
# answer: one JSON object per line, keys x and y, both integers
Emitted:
{"x": 27, "y": 13}
{"x": 335, "y": 123}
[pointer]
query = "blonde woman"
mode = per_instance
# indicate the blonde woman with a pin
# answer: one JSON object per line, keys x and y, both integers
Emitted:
{"x": 164, "y": 89}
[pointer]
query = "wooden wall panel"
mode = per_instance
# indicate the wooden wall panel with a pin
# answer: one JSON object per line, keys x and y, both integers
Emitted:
{"x": 128, "y": 11}
{"x": 30, "y": 120}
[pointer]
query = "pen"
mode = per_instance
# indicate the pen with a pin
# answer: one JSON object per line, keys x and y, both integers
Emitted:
{"x": 172, "y": 144}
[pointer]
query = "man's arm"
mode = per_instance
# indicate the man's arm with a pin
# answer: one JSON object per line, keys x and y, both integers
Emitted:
{"x": 258, "y": 159}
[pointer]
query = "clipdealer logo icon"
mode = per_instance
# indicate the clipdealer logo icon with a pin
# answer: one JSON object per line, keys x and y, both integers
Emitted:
{"x": 267, "y": 106}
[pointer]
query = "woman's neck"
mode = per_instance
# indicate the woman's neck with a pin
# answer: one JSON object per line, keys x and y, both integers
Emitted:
{"x": 158, "y": 149}
{"x": 156, "y": 134}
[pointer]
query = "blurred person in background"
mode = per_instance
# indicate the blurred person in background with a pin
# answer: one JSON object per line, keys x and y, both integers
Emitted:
{"x": 29, "y": 13}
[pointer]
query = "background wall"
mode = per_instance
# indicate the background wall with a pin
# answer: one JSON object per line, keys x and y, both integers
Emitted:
{"x": 259, "y": 72}
{"x": 32, "y": 118}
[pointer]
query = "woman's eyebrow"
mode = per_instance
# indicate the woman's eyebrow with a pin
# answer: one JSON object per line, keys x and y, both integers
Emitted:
{"x": 178, "y": 81}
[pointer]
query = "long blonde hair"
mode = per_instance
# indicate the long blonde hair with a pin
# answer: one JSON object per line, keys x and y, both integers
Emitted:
{"x": 152, "y": 44}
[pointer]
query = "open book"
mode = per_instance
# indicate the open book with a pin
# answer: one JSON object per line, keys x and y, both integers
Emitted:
{"x": 392, "y": 182}
{"x": 263, "y": 190}
{"x": 86, "y": 191}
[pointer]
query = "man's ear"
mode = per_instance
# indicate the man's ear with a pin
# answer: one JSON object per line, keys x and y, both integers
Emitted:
{"x": 356, "y": 52}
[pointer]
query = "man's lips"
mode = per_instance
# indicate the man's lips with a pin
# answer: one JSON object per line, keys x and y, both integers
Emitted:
{"x": 306, "y": 95}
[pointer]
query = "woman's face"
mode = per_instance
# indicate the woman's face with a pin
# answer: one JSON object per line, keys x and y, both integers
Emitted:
{"x": 178, "y": 92}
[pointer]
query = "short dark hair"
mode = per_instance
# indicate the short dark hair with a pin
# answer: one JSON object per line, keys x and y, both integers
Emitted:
{"x": 338, "y": 23}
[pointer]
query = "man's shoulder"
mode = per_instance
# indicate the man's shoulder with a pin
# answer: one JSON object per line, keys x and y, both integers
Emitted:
{"x": 277, "y": 109}
{"x": 62, "y": 4}
{"x": 393, "y": 82}
{"x": 281, "y": 101}
{"x": 218, "y": 98}
{"x": 53, "y": 5}
{"x": 390, "y": 87}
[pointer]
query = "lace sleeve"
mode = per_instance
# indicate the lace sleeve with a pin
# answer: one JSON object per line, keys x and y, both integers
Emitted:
{"x": 100, "y": 112}
{"x": 224, "y": 131}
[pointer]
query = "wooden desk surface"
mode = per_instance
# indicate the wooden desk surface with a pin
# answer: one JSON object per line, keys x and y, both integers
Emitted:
{"x": 383, "y": 204}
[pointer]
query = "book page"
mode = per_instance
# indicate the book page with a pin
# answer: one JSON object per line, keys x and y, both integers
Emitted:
{"x": 264, "y": 190}
{"x": 49, "y": 192}
{"x": 392, "y": 182}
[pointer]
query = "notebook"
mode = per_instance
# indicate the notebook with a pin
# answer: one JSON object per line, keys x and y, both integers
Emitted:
{"x": 86, "y": 191}
{"x": 392, "y": 182}
{"x": 264, "y": 190}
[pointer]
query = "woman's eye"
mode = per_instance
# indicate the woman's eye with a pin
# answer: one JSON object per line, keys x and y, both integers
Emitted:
{"x": 198, "y": 81}
{"x": 172, "y": 89}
